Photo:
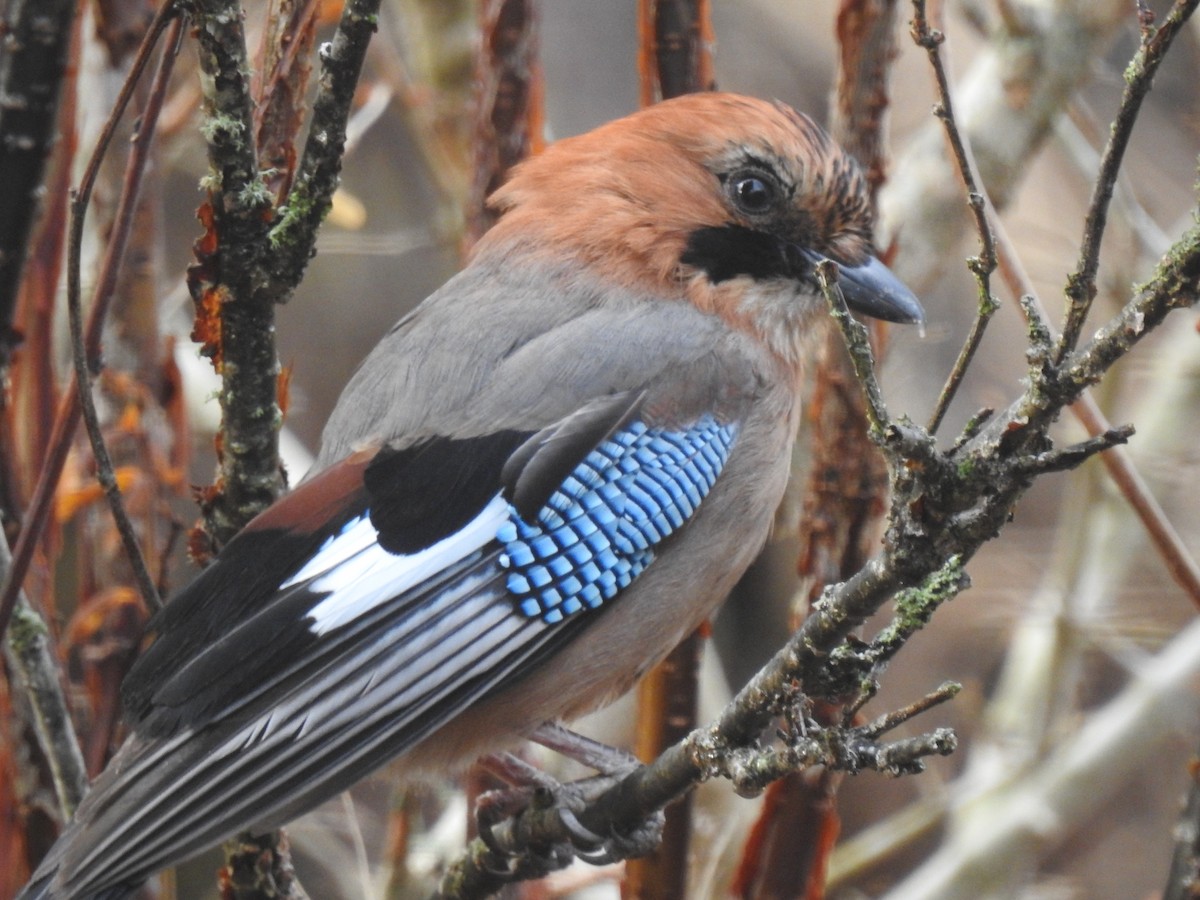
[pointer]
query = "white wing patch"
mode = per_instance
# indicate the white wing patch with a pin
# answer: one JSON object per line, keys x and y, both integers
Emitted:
{"x": 357, "y": 573}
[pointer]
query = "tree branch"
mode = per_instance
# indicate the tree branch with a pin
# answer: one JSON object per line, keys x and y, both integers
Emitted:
{"x": 37, "y": 37}
{"x": 294, "y": 236}
{"x": 1139, "y": 76}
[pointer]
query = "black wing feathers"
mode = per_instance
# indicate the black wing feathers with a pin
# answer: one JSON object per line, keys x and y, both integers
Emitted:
{"x": 244, "y": 580}
{"x": 539, "y": 466}
{"x": 252, "y": 706}
{"x": 423, "y": 493}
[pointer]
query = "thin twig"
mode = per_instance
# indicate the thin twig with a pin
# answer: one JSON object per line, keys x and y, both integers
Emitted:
{"x": 86, "y": 363}
{"x": 858, "y": 343}
{"x": 1139, "y": 77}
{"x": 892, "y": 720}
{"x": 67, "y": 416}
{"x": 982, "y": 266}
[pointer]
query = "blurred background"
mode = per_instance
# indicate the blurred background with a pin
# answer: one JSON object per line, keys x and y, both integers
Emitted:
{"x": 1078, "y": 716}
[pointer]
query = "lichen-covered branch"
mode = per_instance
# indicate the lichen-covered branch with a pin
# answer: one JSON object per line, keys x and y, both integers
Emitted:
{"x": 253, "y": 255}
{"x": 294, "y": 235}
{"x": 27, "y": 649}
{"x": 227, "y": 281}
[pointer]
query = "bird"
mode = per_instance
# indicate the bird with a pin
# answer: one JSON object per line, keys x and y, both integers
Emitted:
{"x": 537, "y": 483}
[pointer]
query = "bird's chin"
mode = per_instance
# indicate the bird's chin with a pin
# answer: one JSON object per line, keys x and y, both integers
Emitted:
{"x": 778, "y": 312}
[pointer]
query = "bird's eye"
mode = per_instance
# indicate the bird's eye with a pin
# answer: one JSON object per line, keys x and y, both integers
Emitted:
{"x": 752, "y": 193}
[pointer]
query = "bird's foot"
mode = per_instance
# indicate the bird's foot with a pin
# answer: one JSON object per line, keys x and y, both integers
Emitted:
{"x": 537, "y": 821}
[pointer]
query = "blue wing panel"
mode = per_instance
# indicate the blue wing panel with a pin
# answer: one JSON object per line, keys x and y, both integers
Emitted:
{"x": 599, "y": 530}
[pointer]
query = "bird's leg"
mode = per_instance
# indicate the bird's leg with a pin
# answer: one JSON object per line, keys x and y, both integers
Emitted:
{"x": 604, "y": 758}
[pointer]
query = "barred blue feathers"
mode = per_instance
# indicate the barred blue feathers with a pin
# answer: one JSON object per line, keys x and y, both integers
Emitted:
{"x": 599, "y": 530}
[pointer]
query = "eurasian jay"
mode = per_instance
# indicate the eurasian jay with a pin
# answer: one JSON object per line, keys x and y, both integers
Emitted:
{"x": 539, "y": 481}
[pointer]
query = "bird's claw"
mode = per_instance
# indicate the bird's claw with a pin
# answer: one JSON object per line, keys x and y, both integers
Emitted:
{"x": 538, "y": 829}
{"x": 644, "y": 839}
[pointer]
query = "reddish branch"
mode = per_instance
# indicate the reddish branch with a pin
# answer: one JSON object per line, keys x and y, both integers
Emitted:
{"x": 675, "y": 58}
{"x": 67, "y": 417}
{"x": 676, "y": 39}
{"x": 36, "y": 42}
{"x": 509, "y": 109}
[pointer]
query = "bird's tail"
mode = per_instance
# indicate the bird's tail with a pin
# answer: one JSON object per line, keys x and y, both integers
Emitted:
{"x": 41, "y": 887}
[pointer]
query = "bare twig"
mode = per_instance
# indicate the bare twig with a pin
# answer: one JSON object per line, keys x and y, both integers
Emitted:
{"x": 85, "y": 358}
{"x": 1180, "y": 562}
{"x": 1139, "y": 76}
{"x": 1036, "y": 59}
{"x": 982, "y": 266}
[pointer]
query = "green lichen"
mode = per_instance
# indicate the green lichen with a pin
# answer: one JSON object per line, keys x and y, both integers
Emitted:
{"x": 256, "y": 194}
{"x": 914, "y": 607}
{"x": 291, "y": 216}
{"x": 221, "y": 126}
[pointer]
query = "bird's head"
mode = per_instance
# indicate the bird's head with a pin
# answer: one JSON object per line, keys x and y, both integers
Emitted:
{"x": 725, "y": 200}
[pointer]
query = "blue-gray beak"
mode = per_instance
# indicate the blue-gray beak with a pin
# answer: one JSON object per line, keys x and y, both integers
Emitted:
{"x": 872, "y": 289}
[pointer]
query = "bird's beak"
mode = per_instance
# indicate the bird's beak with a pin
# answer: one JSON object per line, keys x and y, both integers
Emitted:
{"x": 872, "y": 289}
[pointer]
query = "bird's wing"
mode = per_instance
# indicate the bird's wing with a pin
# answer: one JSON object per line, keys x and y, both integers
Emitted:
{"x": 373, "y": 604}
